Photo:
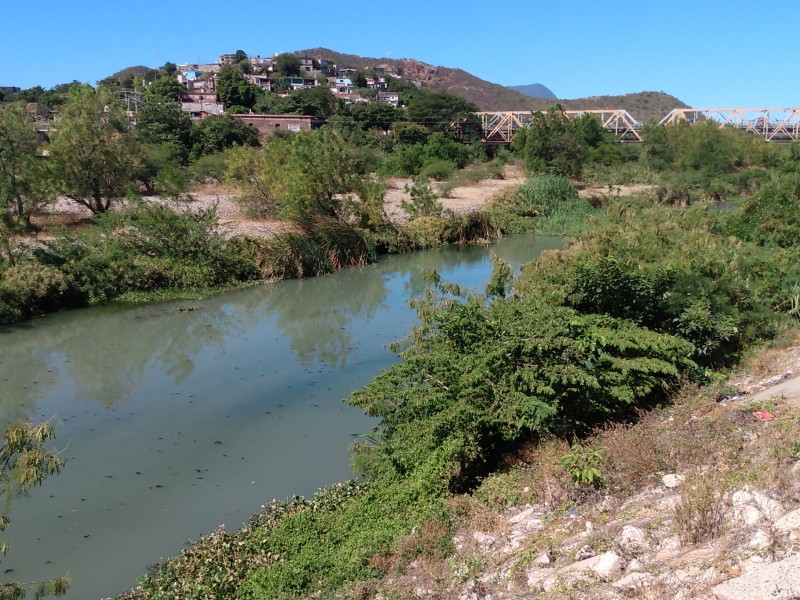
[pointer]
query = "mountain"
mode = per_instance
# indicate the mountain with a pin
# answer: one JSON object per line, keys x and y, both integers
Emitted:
{"x": 491, "y": 96}
{"x": 537, "y": 90}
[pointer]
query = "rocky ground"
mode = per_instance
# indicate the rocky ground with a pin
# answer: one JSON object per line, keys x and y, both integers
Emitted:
{"x": 726, "y": 526}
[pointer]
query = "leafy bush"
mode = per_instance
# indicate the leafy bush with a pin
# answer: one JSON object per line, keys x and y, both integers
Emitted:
{"x": 547, "y": 192}
{"x": 438, "y": 170}
{"x": 30, "y": 289}
{"x": 423, "y": 201}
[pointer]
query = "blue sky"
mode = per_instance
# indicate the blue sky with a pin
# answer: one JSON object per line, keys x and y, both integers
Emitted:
{"x": 708, "y": 53}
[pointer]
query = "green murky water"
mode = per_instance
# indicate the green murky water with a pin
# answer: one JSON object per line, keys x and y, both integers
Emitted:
{"x": 177, "y": 418}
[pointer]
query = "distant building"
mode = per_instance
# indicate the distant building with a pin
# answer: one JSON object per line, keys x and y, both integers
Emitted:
{"x": 268, "y": 125}
{"x": 390, "y": 98}
{"x": 342, "y": 85}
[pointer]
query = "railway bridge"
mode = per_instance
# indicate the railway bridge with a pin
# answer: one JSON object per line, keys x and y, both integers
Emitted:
{"x": 770, "y": 124}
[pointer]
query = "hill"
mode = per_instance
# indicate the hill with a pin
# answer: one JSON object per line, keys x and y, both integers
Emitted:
{"x": 131, "y": 72}
{"x": 537, "y": 90}
{"x": 491, "y": 96}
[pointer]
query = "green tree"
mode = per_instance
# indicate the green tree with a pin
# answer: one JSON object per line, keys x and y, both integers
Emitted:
{"x": 554, "y": 143}
{"x": 287, "y": 64}
{"x": 26, "y": 463}
{"x": 235, "y": 91}
{"x": 23, "y": 185}
{"x": 165, "y": 89}
{"x": 93, "y": 157}
{"x": 163, "y": 122}
{"x": 438, "y": 110}
{"x": 216, "y": 133}
{"x": 317, "y": 101}
{"x": 299, "y": 176}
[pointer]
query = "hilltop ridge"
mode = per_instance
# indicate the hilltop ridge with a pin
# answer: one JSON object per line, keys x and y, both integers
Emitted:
{"x": 491, "y": 96}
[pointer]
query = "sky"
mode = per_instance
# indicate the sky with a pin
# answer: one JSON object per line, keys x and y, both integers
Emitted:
{"x": 707, "y": 53}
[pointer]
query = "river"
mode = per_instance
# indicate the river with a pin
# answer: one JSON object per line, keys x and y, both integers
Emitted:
{"x": 180, "y": 417}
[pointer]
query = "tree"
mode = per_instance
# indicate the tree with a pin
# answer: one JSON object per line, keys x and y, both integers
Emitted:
{"x": 166, "y": 89}
{"x": 22, "y": 181}
{"x": 287, "y": 64}
{"x": 555, "y": 144}
{"x": 162, "y": 122}
{"x": 218, "y": 133}
{"x": 235, "y": 91}
{"x": 317, "y": 101}
{"x": 92, "y": 154}
{"x": 438, "y": 110}
{"x": 299, "y": 176}
{"x": 26, "y": 463}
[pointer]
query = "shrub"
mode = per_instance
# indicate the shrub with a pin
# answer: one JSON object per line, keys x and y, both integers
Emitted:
{"x": 547, "y": 191}
{"x": 423, "y": 200}
{"x": 32, "y": 289}
{"x": 438, "y": 170}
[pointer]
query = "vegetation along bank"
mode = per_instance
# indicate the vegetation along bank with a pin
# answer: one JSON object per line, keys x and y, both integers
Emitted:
{"x": 655, "y": 294}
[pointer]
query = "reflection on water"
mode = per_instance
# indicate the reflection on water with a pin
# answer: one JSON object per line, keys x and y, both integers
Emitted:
{"x": 181, "y": 416}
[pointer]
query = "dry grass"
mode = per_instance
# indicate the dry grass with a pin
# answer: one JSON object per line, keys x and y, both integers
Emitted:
{"x": 700, "y": 514}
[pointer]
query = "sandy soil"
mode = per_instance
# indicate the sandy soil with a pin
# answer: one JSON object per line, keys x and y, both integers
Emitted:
{"x": 235, "y": 222}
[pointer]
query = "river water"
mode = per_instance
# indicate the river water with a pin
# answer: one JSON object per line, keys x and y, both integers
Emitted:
{"x": 176, "y": 418}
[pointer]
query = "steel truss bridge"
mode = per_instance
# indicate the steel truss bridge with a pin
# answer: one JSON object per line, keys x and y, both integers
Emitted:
{"x": 500, "y": 127}
{"x": 771, "y": 124}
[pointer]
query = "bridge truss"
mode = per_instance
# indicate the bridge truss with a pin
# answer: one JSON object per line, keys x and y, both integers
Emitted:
{"x": 499, "y": 127}
{"x": 771, "y": 124}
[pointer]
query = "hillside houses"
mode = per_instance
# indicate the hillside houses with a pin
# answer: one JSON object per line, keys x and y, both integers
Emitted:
{"x": 201, "y": 100}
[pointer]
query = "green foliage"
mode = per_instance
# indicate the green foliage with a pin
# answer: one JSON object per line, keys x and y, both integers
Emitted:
{"x": 320, "y": 246}
{"x": 23, "y": 179}
{"x": 584, "y": 465}
{"x": 163, "y": 122}
{"x": 92, "y": 155}
{"x": 555, "y": 200}
{"x": 218, "y": 133}
{"x": 235, "y": 91}
{"x": 438, "y": 170}
{"x": 557, "y": 144}
{"x": 300, "y": 176}
{"x": 423, "y": 202}
{"x": 547, "y": 192}
{"x": 29, "y": 289}
{"x": 148, "y": 248}
{"x": 25, "y": 463}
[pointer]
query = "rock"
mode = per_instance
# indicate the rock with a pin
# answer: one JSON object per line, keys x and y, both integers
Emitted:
{"x": 633, "y": 580}
{"x": 631, "y": 540}
{"x": 485, "y": 541}
{"x": 634, "y": 565}
{"x": 741, "y": 498}
{"x": 776, "y": 581}
{"x": 604, "y": 565}
{"x": 789, "y": 521}
{"x": 522, "y": 516}
{"x": 744, "y": 514}
{"x": 760, "y": 540}
{"x": 698, "y": 556}
{"x": 542, "y": 559}
{"x": 771, "y": 509}
{"x": 672, "y": 481}
{"x": 542, "y": 579}
{"x": 584, "y": 552}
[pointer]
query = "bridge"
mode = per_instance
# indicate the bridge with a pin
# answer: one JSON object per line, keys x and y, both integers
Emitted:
{"x": 500, "y": 127}
{"x": 771, "y": 124}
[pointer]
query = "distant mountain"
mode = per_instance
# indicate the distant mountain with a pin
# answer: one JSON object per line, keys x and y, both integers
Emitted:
{"x": 537, "y": 90}
{"x": 491, "y": 96}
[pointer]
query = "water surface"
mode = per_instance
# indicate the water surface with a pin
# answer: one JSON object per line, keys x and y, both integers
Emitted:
{"x": 179, "y": 417}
